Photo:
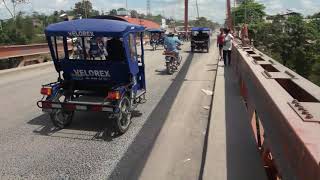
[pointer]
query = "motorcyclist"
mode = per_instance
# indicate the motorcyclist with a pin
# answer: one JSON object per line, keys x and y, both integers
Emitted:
{"x": 171, "y": 43}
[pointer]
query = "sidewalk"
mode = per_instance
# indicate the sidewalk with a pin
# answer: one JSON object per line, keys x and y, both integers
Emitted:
{"x": 231, "y": 151}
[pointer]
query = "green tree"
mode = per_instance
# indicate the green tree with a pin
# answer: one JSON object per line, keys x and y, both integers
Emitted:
{"x": 113, "y": 12}
{"x": 121, "y": 9}
{"x": 28, "y": 28}
{"x": 134, "y": 14}
{"x": 14, "y": 3}
{"x": 204, "y": 22}
{"x": 84, "y": 8}
{"x": 315, "y": 72}
{"x": 292, "y": 41}
{"x": 158, "y": 18}
{"x": 250, "y": 12}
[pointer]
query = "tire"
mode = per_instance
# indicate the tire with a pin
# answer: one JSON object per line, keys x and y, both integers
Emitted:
{"x": 123, "y": 119}
{"x": 179, "y": 60}
{"x": 192, "y": 49}
{"x": 61, "y": 118}
{"x": 169, "y": 68}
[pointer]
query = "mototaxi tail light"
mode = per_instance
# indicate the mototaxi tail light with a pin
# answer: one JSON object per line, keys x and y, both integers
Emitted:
{"x": 113, "y": 95}
{"x": 46, "y": 91}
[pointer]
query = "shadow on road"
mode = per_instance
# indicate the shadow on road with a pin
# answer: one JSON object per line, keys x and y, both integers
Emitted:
{"x": 215, "y": 69}
{"x": 162, "y": 72}
{"x": 133, "y": 161}
{"x": 158, "y": 49}
{"x": 98, "y": 124}
{"x": 197, "y": 52}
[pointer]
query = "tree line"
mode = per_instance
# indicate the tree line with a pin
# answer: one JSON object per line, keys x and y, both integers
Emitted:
{"x": 292, "y": 39}
{"x": 27, "y": 29}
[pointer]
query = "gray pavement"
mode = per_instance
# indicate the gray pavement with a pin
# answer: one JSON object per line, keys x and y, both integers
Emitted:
{"x": 31, "y": 148}
{"x": 232, "y": 153}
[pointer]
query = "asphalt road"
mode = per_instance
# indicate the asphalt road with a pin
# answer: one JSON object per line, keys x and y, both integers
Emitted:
{"x": 165, "y": 140}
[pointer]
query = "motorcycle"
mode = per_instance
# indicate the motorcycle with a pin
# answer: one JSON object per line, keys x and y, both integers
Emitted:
{"x": 171, "y": 64}
{"x": 153, "y": 44}
{"x": 173, "y": 60}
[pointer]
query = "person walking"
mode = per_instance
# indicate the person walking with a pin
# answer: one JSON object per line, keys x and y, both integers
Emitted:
{"x": 227, "y": 47}
{"x": 220, "y": 40}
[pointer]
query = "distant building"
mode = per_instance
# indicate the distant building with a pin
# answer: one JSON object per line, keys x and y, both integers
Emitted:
{"x": 285, "y": 15}
{"x": 123, "y": 13}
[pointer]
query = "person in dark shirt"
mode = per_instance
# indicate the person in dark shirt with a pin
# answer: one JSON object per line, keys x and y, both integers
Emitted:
{"x": 115, "y": 50}
{"x": 220, "y": 41}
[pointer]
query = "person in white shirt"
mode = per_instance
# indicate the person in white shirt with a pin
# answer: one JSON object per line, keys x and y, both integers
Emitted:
{"x": 227, "y": 47}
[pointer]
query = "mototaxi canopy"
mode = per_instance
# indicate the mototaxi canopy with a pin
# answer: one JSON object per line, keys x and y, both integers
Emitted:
{"x": 200, "y": 29}
{"x": 92, "y": 27}
{"x": 156, "y": 30}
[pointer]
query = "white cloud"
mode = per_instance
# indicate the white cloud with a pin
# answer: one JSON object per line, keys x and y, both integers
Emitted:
{"x": 212, "y": 9}
{"x": 305, "y": 7}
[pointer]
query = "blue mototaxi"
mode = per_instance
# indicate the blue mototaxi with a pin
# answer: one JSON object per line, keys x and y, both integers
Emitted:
{"x": 200, "y": 38}
{"x": 156, "y": 37}
{"x": 108, "y": 76}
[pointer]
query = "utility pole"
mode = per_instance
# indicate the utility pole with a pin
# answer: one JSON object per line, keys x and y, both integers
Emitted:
{"x": 148, "y": 7}
{"x": 84, "y": 8}
{"x": 186, "y": 24}
{"x": 197, "y": 9}
{"x": 229, "y": 18}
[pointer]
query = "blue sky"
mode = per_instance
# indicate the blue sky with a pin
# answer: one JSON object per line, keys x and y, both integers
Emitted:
{"x": 212, "y": 9}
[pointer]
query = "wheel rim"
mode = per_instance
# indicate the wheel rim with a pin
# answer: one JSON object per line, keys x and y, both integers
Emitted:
{"x": 125, "y": 114}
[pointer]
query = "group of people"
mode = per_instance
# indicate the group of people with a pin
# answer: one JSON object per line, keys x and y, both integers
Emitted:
{"x": 98, "y": 48}
{"x": 224, "y": 42}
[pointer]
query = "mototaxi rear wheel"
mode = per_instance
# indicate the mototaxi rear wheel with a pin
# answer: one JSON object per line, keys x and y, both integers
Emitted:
{"x": 123, "y": 118}
{"x": 61, "y": 118}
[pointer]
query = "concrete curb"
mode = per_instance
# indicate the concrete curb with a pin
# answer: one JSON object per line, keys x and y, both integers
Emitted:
{"x": 26, "y": 68}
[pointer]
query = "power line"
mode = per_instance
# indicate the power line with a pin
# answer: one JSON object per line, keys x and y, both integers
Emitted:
{"x": 197, "y": 9}
{"x": 127, "y": 5}
{"x": 148, "y": 7}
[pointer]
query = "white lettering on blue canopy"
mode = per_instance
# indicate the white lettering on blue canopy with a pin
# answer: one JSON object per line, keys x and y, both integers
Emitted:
{"x": 81, "y": 34}
{"x": 90, "y": 74}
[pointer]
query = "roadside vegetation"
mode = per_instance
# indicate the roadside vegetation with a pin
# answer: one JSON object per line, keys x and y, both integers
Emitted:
{"x": 24, "y": 28}
{"x": 293, "y": 40}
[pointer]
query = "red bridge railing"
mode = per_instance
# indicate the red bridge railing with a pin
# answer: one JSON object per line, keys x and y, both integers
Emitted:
{"x": 285, "y": 111}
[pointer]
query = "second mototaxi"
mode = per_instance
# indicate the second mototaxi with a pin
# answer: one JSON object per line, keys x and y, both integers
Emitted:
{"x": 156, "y": 38}
{"x": 106, "y": 73}
{"x": 200, "y": 39}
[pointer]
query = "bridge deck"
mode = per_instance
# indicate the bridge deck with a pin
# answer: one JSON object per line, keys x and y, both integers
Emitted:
{"x": 231, "y": 152}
